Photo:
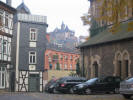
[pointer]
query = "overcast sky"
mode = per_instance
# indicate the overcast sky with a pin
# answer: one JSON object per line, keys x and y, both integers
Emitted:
{"x": 68, "y": 11}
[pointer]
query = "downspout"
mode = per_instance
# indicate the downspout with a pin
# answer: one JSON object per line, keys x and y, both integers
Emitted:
{"x": 83, "y": 65}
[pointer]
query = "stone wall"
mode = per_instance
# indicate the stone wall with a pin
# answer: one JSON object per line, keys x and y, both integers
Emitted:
{"x": 105, "y": 56}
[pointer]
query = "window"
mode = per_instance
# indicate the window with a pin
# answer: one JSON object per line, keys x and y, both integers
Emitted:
{"x": 32, "y": 57}
{"x": 65, "y": 66}
{"x": 2, "y": 77}
{"x": 66, "y": 57}
{"x": 1, "y": 18}
{"x": 61, "y": 57}
{"x": 0, "y": 45}
{"x": 6, "y": 20}
{"x": 70, "y": 57}
{"x": 9, "y": 49}
{"x": 5, "y": 47}
{"x": 55, "y": 66}
{"x": 60, "y": 66}
{"x": 70, "y": 66}
{"x": 33, "y": 34}
{"x": 49, "y": 59}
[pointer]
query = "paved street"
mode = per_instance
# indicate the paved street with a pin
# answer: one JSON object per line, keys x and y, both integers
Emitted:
{"x": 45, "y": 96}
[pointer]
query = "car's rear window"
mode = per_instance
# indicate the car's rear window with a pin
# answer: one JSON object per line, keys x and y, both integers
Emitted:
{"x": 117, "y": 79}
{"x": 76, "y": 80}
{"x": 130, "y": 80}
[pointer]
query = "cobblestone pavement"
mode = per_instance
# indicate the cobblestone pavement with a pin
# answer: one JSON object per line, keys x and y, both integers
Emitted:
{"x": 46, "y": 96}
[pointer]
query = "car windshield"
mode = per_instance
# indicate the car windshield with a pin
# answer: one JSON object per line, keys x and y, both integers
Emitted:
{"x": 129, "y": 80}
{"x": 91, "y": 80}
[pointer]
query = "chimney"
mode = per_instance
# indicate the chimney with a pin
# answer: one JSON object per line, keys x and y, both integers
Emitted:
{"x": 8, "y": 2}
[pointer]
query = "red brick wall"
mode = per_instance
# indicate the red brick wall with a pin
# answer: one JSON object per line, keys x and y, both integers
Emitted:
{"x": 50, "y": 53}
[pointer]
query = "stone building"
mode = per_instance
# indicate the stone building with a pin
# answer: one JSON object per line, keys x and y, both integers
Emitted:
{"x": 63, "y": 36}
{"x": 107, "y": 54}
{"x": 6, "y": 29}
{"x": 28, "y": 49}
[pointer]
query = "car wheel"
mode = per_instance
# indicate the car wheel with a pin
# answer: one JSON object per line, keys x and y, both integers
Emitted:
{"x": 116, "y": 90}
{"x": 54, "y": 90}
{"x": 71, "y": 91}
{"x": 87, "y": 91}
{"x": 127, "y": 96}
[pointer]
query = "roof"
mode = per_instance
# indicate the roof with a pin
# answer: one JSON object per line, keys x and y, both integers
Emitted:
{"x": 61, "y": 49}
{"x": 13, "y": 10}
{"x": 32, "y": 18}
{"x": 106, "y": 36}
{"x": 23, "y": 6}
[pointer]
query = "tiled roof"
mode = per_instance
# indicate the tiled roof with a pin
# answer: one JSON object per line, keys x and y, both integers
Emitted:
{"x": 61, "y": 49}
{"x": 106, "y": 36}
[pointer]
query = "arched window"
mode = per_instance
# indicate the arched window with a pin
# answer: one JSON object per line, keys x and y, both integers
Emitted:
{"x": 95, "y": 65}
{"x": 119, "y": 65}
{"x": 125, "y": 64}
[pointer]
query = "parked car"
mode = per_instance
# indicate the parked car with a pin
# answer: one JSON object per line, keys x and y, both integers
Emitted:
{"x": 49, "y": 87}
{"x": 107, "y": 84}
{"x": 126, "y": 88}
{"x": 65, "y": 84}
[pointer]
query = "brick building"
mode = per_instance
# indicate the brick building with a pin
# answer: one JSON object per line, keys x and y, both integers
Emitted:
{"x": 106, "y": 53}
{"x": 60, "y": 59}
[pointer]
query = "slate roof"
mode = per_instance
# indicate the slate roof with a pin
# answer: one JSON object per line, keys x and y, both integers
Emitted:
{"x": 106, "y": 36}
{"x": 9, "y": 7}
{"x": 23, "y": 6}
{"x": 61, "y": 49}
{"x": 64, "y": 28}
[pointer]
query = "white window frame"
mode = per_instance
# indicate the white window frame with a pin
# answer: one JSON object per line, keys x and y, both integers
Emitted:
{"x": 2, "y": 14}
{"x": 1, "y": 45}
{"x": 71, "y": 66}
{"x": 55, "y": 66}
{"x": 7, "y": 18}
{"x": 32, "y": 55}
{"x": 65, "y": 66}
{"x": 60, "y": 66}
{"x": 35, "y": 33}
{"x": 9, "y": 49}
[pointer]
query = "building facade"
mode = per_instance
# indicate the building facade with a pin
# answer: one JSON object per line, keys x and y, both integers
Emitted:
{"x": 6, "y": 29}
{"x": 61, "y": 60}
{"x": 107, "y": 54}
{"x": 29, "y": 45}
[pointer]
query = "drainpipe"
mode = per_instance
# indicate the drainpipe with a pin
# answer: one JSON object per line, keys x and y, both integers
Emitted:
{"x": 83, "y": 65}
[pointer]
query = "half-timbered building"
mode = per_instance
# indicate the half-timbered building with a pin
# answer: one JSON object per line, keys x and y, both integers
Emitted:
{"x": 6, "y": 29}
{"x": 29, "y": 47}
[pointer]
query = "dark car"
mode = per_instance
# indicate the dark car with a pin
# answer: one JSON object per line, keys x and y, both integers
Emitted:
{"x": 126, "y": 88}
{"x": 50, "y": 86}
{"x": 65, "y": 84}
{"x": 95, "y": 85}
